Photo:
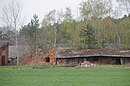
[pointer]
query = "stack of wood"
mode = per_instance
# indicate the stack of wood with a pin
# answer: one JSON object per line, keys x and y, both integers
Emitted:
{"x": 87, "y": 64}
{"x": 29, "y": 60}
{"x": 40, "y": 59}
{"x": 52, "y": 56}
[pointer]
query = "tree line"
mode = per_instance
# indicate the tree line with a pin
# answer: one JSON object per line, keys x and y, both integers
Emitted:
{"x": 100, "y": 25}
{"x": 96, "y": 27}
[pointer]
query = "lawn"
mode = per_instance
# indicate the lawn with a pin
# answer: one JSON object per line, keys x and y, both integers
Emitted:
{"x": 64, "y": 76}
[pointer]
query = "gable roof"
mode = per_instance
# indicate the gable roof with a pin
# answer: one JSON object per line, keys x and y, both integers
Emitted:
{"x": 3, "y": 43}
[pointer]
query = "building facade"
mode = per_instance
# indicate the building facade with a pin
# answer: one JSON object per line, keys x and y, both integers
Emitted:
{"x": 4, "y": 48}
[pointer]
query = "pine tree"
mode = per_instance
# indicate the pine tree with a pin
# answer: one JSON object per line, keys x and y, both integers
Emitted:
{"x": 89, "y": 37}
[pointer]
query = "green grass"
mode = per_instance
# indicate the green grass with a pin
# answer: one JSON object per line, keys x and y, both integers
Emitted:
{"x": 64, "y": 76}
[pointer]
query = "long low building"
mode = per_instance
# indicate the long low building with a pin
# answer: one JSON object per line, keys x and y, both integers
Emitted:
{"x": 96, "y": 56}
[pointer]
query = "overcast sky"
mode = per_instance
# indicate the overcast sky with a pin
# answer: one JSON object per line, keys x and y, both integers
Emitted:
{"x": 41, "y": 7}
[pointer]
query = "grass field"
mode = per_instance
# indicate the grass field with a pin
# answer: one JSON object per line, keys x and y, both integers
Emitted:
{"x": 64, "y": 76}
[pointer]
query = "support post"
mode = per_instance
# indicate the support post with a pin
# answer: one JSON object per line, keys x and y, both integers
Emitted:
{"x": 122, "y": 61}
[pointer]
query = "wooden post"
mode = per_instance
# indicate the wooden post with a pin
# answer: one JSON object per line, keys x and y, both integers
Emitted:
{"x": 122, "y": 61}
{"x": 125, "y": 60}
{"x": 56, "y": 61}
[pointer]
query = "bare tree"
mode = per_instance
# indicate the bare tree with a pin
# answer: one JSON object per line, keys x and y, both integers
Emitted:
{"x": 125, "y": 4}
{"x": 11, "y": 16}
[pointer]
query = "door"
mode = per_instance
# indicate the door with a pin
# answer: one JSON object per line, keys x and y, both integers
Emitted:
{"x": 3, "y": 60}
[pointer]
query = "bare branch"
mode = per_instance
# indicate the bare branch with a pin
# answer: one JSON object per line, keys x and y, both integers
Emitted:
{"x": 12, "y": 18}
{"x": 11, "y": 15}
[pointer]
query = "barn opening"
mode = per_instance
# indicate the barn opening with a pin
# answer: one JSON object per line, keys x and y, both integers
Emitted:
{"x": 118, "y": 61}
{"x": 93, "y": 59}
{"x": 105, "y": 60}
{"x": 109, "y": 60}
{"x": 47, "y": 59}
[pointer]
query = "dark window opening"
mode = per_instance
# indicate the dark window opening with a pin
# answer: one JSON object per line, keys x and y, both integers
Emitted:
{"x": 47, "y": 59}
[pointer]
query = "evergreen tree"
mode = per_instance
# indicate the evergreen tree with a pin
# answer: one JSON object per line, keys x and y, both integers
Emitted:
{"x": 88, "y": 36}
{"x": 31, "y": 34}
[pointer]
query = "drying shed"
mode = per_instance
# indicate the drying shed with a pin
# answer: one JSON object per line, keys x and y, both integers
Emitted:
{"x": 96, "y": 56}
{"x": 4, "y": 47}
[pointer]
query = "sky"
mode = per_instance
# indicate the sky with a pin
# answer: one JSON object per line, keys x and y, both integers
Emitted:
{"x": 42, "y": 7}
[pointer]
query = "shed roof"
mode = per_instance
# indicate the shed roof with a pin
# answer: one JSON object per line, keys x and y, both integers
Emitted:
{"x": 69, "y": 53}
